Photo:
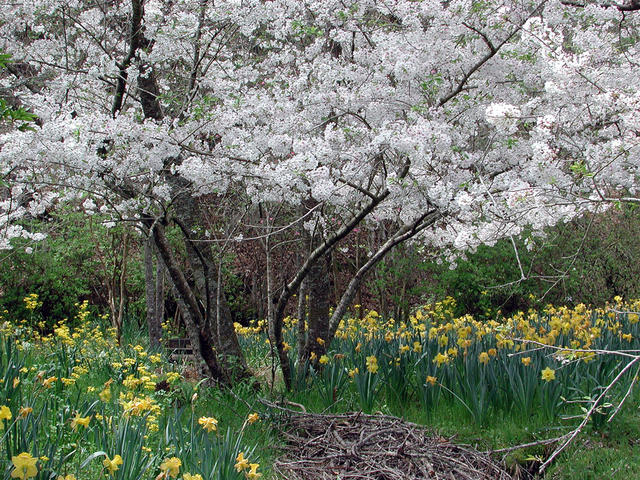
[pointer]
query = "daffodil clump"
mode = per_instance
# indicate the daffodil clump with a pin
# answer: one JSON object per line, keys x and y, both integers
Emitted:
{"x": 116, "y": 411}
{"x": 497, "y": 365}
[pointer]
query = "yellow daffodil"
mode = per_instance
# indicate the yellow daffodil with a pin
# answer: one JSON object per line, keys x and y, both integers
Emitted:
{"x": 323, "y": 360}
{"x": 171, "y": 466}
{"x": 253, "y": 473}
{"x": 241, "y": 462}
{"x": 548, "y": 374}
{"x": 210, "y": 424}
{"x": 440, "y": 359}
{"x": 372, "y": 364}
{"x": 253, "y": 418}
{"x": 24, "y": 466}
{"x": 47, "y": 383}
{"x": 526, "y": 361}
{"x": 188, "y": 476}
{"x": 78, "y": 420}
{"x": 112, "y": 465}
{"x": 432, "y": 380}
{"x": 24, "y": 411}
{"x": 483, "y": 358}
{"x": 5, "y": 413}
{"x": 105, "y": 395}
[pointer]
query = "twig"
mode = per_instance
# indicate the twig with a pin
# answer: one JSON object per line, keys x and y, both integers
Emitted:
{"x": 573, "y": 434}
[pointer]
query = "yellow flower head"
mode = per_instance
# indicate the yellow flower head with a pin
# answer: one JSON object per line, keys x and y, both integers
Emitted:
{"x": 253, "y": 418}
{"x": 548, "y": 374}
{"x": 78, "y": 420}
{"x": 47, "y": 383}
{"x": 24, "y": 411}
{"x": 323, "y": 360}
{"x": 171, "y": 466}
{"x": 188, "y": 476}
{"x": 440, "y": 359}
{"x": 253, "y": 473}
{"x": 241, "y": 462}
{"x": 372, "y": 364}
{"x": 24, "y": 466}
{"x": 105, "y": 395}
{"x": 483, "y": 358}
{"x": 526, "y": 361}
{"x": 432, "y": 380}
{"x": 5, "y": 413}
{"x": 210, "y": 424}
{"x": 112, "y": 465}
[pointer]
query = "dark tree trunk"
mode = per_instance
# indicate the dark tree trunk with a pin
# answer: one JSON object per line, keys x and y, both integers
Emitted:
{"x": 159, "y": 307}
{"x": 319, "y": 288}
{"x": 151, "y": 292}
{"x": 216, "y": 317}
{"x": 302, "y": 320}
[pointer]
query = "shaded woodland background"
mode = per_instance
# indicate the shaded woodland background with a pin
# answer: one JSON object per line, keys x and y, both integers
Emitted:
{"x": 590, "y": 261}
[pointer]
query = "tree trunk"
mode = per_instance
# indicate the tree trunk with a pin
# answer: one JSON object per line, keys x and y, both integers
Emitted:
{"x": 319, "y": 287}
{"x": 302, "y": 321}
{"x": 216, "y": 318}
{"x": 197, "y": 327}
{"x": 159, "y": 307}
{"x": 151, "y": 293}
{"x": 194, "y": 337}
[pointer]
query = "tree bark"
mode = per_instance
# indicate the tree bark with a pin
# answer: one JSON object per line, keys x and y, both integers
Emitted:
{"x": 302, "y": 321}
{"x": 319, "y": 286}
{"x": 154, "y": 317}
{"x": 159, "y": 307}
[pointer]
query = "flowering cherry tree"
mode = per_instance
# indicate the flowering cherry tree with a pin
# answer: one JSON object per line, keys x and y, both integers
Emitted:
{"x": 459, "y": 122}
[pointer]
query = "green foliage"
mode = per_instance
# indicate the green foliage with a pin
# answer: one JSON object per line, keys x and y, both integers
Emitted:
{"x": 66, "y": 268}
{"x": 590, "y": 260}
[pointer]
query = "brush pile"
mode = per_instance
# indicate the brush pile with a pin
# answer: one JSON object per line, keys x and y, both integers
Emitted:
{"x": 357, "y": 446}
